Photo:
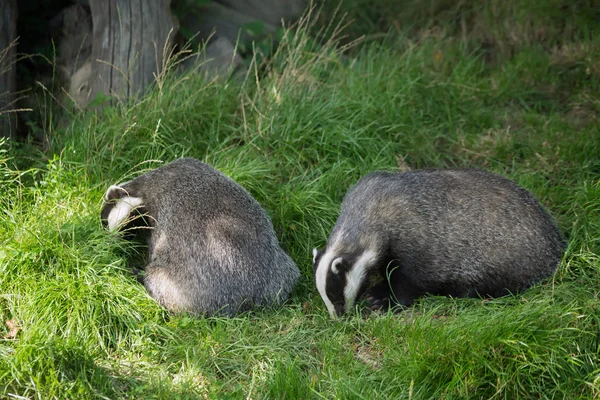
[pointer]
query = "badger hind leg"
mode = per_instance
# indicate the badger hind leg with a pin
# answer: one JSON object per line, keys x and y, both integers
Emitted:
{"x": 166, "y": 289}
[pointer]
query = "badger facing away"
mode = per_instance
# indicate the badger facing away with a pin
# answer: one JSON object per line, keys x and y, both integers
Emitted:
{"x": 212, "y": 247}
{"x": 455, "y": 232}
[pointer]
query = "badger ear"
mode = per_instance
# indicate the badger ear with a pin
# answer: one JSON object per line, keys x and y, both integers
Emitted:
{"x": 338, "y": 265}
{"x": 114, "y": 192}
{"x": 315, "y": 253}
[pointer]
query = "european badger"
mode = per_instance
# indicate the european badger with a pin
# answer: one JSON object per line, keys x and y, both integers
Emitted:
{"x": 456, "y": 232}
{"x": 212, "y": 248}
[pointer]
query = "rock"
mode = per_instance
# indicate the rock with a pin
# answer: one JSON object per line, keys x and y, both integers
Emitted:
{"x": 224, "y": 18}
{"x": 218, "y": 59}
{"x": 79, "y": 87}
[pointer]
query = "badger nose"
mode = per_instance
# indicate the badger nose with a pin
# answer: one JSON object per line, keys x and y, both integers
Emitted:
{"x": 338, "y": 311}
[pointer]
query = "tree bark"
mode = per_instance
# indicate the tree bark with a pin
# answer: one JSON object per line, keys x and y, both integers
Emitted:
{"x": 131, "y": 41}
{"x": 8, "y": 54}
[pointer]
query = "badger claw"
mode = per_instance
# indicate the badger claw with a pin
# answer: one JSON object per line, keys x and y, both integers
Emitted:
{"x": 378, "y": 304}
{"x": 378, "y": 297}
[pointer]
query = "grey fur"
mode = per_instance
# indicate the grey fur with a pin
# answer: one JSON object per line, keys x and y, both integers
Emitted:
{"x": 212, "y": 248}
{"x": 458, "y": 232}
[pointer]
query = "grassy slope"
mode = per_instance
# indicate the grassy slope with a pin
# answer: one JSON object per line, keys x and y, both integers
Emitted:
{"x": 297, "y": 140}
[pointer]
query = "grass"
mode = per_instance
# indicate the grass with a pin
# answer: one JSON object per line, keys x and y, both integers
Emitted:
{"x": 76, "y": 324}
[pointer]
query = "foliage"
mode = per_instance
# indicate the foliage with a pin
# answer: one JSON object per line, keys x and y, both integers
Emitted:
{"x": 76, "y": 324}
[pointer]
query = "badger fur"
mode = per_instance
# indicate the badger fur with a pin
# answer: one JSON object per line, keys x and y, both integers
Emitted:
{"x": 456, "y": 232}
{"x": 211, "y": 247}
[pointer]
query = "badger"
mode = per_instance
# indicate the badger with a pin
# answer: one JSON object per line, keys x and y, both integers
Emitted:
{"x": 212, "y": 249}
{"x": 448, "y": 232}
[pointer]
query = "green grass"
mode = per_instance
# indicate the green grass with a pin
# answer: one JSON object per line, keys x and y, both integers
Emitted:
{"x": 297, "y": 138}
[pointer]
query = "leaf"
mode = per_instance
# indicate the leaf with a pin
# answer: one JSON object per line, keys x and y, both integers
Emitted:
{"x": 13, "y": 329}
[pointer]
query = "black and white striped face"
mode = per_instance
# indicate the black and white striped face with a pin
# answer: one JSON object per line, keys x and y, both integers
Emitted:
{"x": 118, "y": 207}
{"x": 341, "y": 278}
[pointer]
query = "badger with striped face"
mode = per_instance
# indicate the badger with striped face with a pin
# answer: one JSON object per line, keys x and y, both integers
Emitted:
{"x": 341, "y": 277}
{"x": 455, "y": 232}
{"x": 121, "y": 210}
{"x": 212, "y": 249}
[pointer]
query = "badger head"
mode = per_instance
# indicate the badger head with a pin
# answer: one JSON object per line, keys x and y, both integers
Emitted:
{"x": 341, "y": 278}
{"x": 121, "y": 209}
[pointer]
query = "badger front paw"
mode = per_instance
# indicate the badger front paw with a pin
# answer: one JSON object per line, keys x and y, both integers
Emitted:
{"x": 378, "y": 297}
